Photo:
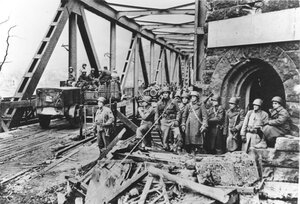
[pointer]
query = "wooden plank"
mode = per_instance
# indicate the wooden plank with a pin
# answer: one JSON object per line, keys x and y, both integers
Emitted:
{"x": 126, "y": 121}
{"x": 281, "y": 174}
{"x": 146, "y": 190}
{"x": 51, "y": 166}
{"x": 14, "y": 176}
{"x": 58, "y": 153}
{"x": 119, "y": 191}
{"x": 280, "y": 190}
{"x": 215, "y": 193}
{"x": 287, "y": 144}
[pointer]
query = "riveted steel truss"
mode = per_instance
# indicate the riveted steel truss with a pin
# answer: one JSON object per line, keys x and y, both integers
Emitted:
{"x": 177, "y": 44}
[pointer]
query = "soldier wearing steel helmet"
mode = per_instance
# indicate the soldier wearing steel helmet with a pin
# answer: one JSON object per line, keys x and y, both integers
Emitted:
{"x": 147, "y": 113}
{"x": 234, "y": 118}
{"x": 278, "y": 124}
{"x": 254, "y": 121}
{"x": 214, "y": 142}
{"x": 103, "y": 122}
{"x": 194, "y": 124}
{"x": 167, "y": 116}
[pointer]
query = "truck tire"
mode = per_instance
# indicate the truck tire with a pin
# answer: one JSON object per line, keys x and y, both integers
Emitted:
{"x": 44, "y": 121}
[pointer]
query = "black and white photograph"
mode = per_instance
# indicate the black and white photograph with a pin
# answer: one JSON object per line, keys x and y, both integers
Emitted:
{"x": 149, "y": 102}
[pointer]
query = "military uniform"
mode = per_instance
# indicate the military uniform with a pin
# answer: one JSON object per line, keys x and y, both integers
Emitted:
{"x": 194, "y": 117}
{"x": 214, "y": 141}
{"x": 253, "y": 122}
{"x": 103, "y": 120}
{"x": 147, "y": 115}
{"x": 169, "y": 121}
{"x": 233, "y": 119}
{"x": 277, "y": 126}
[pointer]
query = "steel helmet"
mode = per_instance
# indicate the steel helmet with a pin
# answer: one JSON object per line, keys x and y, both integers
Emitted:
{"x": 102, "y": 99}
{"x": 178, "y": 94}
{"x": 194, "y": 93}
{"x": 165, "y": 89}
{"x": 185, "y": 95}
{"x": 234, "y": 100}
{"x": 277, "y": 99}
{"x": 257, "y": 102}
{"x": 147, "y": 99}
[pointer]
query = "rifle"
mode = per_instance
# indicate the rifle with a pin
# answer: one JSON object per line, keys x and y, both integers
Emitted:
{"x": 208, "y": 97}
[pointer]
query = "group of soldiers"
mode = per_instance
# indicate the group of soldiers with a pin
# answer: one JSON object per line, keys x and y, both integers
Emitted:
{"x": 91, "y": 82}
{"x": 186, "y": 123}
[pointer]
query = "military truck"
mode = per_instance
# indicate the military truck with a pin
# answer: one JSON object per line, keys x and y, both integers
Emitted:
{"x": 62, "y": 101}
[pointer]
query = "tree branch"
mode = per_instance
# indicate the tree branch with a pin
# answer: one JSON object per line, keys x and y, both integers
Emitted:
{"x": 7, "y": 47}
{"x": 4, "y": 20}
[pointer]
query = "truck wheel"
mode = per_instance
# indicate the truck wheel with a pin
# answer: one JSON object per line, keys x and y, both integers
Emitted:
{"x": 44, "y": 121}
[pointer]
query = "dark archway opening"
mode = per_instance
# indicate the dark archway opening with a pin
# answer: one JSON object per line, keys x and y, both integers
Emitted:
{"x": 251, "y": 79}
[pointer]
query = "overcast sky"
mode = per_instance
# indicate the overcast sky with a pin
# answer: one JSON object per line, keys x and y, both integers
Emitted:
{"x": 32, "y": 19}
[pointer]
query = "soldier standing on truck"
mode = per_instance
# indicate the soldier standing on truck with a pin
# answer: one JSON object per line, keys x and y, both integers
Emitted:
{"x": 103, "y": 122}
{"x": 168, "y": 110}
{"x": 234, "y": 118}
{"x": 147, "y": 113}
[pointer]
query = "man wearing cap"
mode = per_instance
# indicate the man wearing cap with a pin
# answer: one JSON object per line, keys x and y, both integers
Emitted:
{"x": 167, "y": 116}
{"x": 103, "y": 121}
{"x": 234, "y": 118}
{"x": 214, "y": 141}
{"x": 254, "y": 121}
{"x": 194, "y": 123}
{"x": 147, "y": 113}
{"x": 278, "y": 124}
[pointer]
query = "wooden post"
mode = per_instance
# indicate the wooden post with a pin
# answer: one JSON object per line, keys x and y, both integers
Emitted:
{"x": 73, "y": 44}
{"x": 199, "y": 47}
{"x": 113, "y": 46}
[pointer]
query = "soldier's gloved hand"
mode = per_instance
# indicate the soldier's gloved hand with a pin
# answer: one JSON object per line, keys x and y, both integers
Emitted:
{"x": 244, "y": 139}
{"x": 202, "y": 129}
{"x": 176, "y": 123}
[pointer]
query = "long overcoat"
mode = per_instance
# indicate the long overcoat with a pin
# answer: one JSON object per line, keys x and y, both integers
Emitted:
{"x": 194, "y": 117}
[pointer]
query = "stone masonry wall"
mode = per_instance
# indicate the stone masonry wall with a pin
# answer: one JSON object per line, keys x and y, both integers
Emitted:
{"x": 284, "y": 57}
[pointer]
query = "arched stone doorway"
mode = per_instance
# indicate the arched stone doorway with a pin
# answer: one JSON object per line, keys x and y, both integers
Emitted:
{"x": 251, "y": 79}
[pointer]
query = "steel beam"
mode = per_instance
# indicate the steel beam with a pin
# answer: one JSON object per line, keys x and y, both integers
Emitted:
{"x": 136, "y": 67}
{"x": 151, "y": 67}
{"x": 160, "y": 26}
{"x": 88, "y": 42}
{"x": 143, "y": 62}
{"x": 39, "y": 62}
{"x": 175, "y": 65}
{"x": 104, "y": 10}
{"x": 113, "y": 46}
{"x": 159, "y": 63}
{"x": 199, "y": 48}
{"x": 73, "y": 44}
{"x": 157, "y": 12}
{"x": 166, "y": 63}
{"x": 180, "y": 70}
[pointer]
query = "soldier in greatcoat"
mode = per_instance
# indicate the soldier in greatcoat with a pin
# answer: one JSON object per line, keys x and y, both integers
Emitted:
{"x": 278, "y": 124}
{"x": 103, "y": 122}
{"x": 254, "y": 121}
{"x": 214, "y": 141}
{"x": 194, "y": 124}
{"x": 167, "y": 117}
{"x": 147, "y": 113}
{"x": 234, "y": 118}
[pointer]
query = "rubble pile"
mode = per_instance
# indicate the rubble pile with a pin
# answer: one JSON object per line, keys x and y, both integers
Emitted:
{"x": 155, "y": 176}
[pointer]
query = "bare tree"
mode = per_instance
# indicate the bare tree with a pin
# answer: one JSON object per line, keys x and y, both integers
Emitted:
{"x": 7, "y": 44}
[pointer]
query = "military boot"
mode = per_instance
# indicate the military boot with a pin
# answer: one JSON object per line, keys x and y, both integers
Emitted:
{"x": 261, "y": 145}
